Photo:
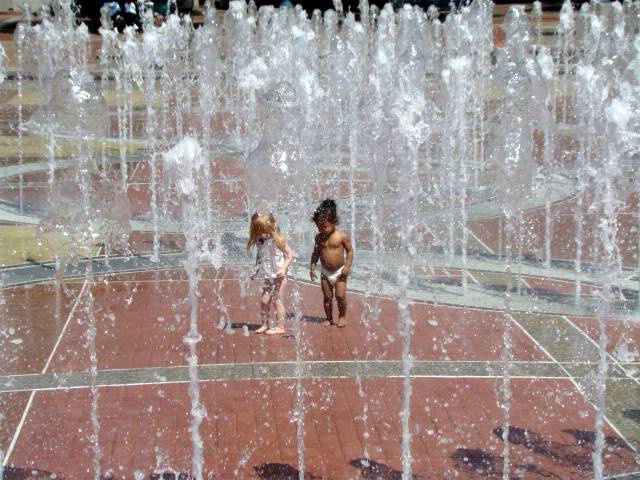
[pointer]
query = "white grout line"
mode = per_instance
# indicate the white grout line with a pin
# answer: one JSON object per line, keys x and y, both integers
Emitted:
{"x": 64, "y": 328}
{"x": 572, "y": 379}
{"x": 523, "y": 280}
{"x": 5, "y": 461}
{"x": 622, "y": 476}
{"x": 133, "y": 173}
{"x": 614, "y": 360}
{"x": 475, "y": 280}
{"x": 481, "y": 242}
{"x": 16, "y": 435}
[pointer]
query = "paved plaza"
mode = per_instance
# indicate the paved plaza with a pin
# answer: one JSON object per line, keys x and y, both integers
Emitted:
{"x": 327, "y": 397}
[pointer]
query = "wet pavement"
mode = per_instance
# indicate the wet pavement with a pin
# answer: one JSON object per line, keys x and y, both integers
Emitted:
{"x": 346, "y": 385}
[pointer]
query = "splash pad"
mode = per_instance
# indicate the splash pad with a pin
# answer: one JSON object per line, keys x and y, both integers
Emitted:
{"x": 491, "y": 195}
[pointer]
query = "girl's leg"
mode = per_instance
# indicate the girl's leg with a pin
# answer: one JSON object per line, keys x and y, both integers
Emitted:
{"x": 327, "y": 293}
{"x": 341, "y": 298}
{"x": 265, "y": 305}
{"x": 276, "y": 296}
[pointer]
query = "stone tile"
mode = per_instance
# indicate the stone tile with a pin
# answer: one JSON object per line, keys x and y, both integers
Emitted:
{"x": 558, "y": 337}
{"x": 623, "y": 407}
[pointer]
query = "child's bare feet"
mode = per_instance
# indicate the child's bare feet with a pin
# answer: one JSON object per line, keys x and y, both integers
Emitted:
{"x": 327, "y": 323}
{"x": 263, "y": 328}
{"x": 277, "y": 330}
{"x": 342, "y": 322}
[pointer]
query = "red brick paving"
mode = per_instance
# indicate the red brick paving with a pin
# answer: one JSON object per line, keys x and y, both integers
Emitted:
{"x": 30, "y": 313}
{"x": 229, "y": 202}
{"x": 36, "y": 198}
{"x": 12, "y": 404}
{"x": 458, "y": 333}
{"x": 145, "y": 428}
{"x": 33, "y": 177}
{"x": 142, "y": 243}
{"x": 555, "y": 286}
{"x": 491, "y": 231}
{"x": 141, "y": 323}
{"x": 252, "y": 418}
{"x": 451, "y": 418}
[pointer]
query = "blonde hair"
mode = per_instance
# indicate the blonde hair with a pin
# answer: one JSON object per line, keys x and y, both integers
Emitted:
{"x": 265, "y": 224}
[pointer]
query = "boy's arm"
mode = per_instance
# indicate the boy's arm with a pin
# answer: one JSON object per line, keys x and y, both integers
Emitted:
{"x": 315, "y": 256}
{"x": 346, "y": 244}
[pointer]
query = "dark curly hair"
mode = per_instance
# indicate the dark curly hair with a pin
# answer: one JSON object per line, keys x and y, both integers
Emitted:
{"x": 326, "y": 211}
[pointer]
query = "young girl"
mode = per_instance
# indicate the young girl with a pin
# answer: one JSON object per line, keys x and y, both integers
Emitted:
{"x": 272, "y": 260}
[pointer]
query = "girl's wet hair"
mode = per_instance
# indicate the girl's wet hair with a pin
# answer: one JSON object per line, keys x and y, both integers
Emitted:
{"x": 326, "y": 211}
{"x": 265, "y": 223}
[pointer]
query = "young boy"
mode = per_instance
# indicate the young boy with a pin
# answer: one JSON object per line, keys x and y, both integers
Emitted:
{"x": 330, "y": 247}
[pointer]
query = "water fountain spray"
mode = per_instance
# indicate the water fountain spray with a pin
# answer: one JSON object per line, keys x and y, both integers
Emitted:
{"x": 409, "y": 110}
{"x": 399, "y": 102}
{"x": 519, "y": 76}
{"x": 183, "y": 168}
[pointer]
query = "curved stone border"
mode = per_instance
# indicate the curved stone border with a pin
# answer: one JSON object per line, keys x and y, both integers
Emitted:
{"x": 278, "y": 370}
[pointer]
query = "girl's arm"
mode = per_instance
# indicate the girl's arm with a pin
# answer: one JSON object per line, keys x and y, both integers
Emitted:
{"x": 255, "y": 273}
{"x": 288, "y": 258}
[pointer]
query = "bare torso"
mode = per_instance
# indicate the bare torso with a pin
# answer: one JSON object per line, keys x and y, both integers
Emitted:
{"x": 331, "y": 250}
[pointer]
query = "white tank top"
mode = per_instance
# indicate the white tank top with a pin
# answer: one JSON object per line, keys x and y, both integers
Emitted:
{"x": 269, "y": 258}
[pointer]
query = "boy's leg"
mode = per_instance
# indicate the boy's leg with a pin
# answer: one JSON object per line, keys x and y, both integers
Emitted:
{"x": 341, "y": 298}
{"x": 327, "y": 293}
{"x": 276, "y": 297}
